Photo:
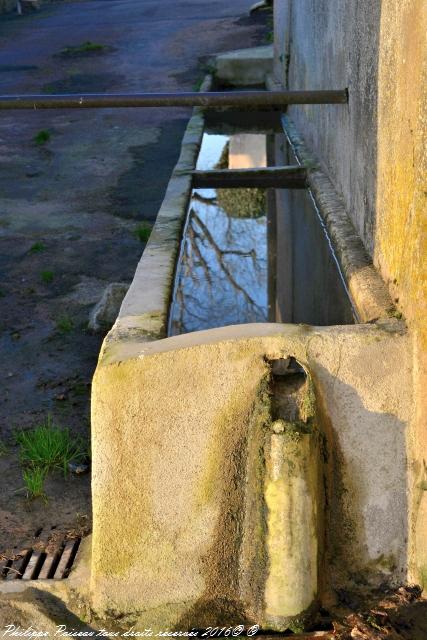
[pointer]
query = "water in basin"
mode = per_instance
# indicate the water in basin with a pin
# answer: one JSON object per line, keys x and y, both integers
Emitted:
{"x": 254, "y": 255}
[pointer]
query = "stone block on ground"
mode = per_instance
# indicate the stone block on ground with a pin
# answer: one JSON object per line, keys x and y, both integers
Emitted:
{"x": 105, "y": 312}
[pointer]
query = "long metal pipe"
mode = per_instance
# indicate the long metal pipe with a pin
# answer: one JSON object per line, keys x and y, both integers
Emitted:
{"x": 246, "y": 99}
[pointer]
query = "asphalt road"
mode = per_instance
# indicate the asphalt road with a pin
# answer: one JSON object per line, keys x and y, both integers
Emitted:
{"x": 69, "y": 206}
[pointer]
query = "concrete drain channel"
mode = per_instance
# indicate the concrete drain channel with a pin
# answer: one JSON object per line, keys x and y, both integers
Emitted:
{"x": 40, "y": 562}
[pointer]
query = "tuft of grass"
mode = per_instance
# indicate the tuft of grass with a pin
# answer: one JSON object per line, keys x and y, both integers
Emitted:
{"x": 87, "y": 47}
{"x": 42, "y": 137}
{"x": 49, "y": 447}
{"x": 64, "y": 324}
{"x": 34, "y": 478}
{"x": 47, "y": 276}
{"x": 198, "y": 84}
{"x": 37, "y": 247}
{"x": 143, "y": 231}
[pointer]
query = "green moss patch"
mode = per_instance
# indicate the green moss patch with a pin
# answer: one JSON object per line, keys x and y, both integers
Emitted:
{"x": 87, "y": 48}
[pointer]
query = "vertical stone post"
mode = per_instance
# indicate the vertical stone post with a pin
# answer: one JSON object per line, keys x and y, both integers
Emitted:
{"x": 291, "y": 495}
{"x": 282, "y": 532}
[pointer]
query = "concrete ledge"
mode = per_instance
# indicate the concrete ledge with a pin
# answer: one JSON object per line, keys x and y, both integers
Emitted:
{"x": 368, "y": 291}
{"x": 144, "y": 311}
{"x": 244, "y": 67}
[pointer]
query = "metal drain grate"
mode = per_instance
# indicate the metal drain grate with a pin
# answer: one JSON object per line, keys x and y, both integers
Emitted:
{"x": 36, "y": 564}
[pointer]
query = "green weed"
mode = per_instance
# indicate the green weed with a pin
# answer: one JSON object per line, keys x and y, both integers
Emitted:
{"x": 49, "y": 447}
{"x": 87, "y": 47}
{"x": 34, "y": 478}
{"x": 3, "y": 448}
{"x": 37, "y": 247}
{"x": 47, "y": 276}
{"x": 297, "y": 626}
{"x": 143, "y": 231}
{"x": 198, "y": 84}
{"x": 208, "y": 67}
{"x": 42, "y": 137}
{"x": 394, "y": 313}
{"x": 270, "y": 30}
{"x": 64, "y": 324}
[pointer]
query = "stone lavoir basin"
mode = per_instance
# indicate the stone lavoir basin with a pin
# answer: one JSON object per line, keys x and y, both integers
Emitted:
{"x": 225, "y": 274}
{"x": 242, "y": 402}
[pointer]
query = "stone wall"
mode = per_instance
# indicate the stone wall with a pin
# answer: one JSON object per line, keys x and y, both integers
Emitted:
{"x": 374, "y": 151}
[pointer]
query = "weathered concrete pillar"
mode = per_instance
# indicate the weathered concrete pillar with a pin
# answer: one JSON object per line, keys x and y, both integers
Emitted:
{"x": 293, "y": 491}
{"x": 291, "y": 495}
{"x": 282, "y": 533}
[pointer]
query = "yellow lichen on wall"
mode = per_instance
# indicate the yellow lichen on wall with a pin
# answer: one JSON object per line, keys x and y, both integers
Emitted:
{"x": 401, "y": 223}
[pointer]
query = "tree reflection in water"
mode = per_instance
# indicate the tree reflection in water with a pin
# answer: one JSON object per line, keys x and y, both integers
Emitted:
{"x": 222, "y": 274}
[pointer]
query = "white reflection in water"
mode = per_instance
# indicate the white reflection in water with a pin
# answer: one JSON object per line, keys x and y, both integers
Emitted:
{"x": 210, "y": 151}
{"x": 222, "y": 275}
